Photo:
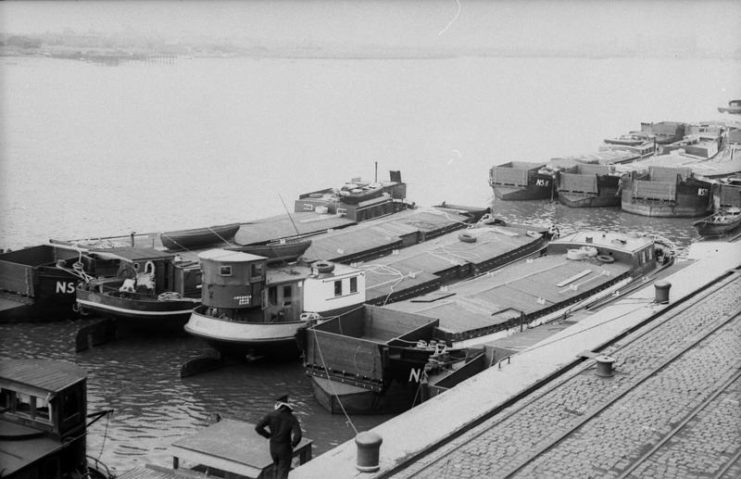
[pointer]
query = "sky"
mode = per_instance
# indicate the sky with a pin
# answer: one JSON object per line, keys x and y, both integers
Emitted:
{"x": 708, "y": 24}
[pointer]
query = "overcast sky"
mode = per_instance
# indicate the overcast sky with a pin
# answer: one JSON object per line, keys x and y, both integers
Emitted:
{"x": 406, "y": 22}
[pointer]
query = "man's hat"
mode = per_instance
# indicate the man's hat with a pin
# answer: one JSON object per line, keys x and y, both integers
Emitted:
{"x": 283, "y": 401}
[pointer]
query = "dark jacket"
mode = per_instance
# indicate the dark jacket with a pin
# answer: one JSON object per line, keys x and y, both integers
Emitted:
{"x": 282, "y": 424}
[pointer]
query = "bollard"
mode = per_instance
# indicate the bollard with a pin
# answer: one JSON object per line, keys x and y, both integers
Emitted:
{"x": 604, "y": 366}
{"x": 369, "y": 445}
{"x": 662, "y": 291}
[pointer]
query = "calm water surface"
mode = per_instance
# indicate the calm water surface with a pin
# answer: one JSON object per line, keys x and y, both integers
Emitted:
{"x": 94, "y": 151}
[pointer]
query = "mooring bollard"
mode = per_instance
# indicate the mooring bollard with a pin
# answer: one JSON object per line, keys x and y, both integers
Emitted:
{"x": 662, "y": 291}
{"x": 369, "y": 445}
{"x": 604, "y": 366}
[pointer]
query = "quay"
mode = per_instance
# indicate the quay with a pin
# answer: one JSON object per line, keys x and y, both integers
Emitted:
{"x": 647, "y": 386}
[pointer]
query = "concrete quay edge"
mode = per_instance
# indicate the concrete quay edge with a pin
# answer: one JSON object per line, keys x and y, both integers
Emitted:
{"x": 429, "y": 425}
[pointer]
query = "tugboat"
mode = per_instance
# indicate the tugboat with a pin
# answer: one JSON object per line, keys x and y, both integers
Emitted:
{"x": 719, "y": 223}
{"x": 734, "y": 106}
{"x": 402, "y": 343}
{"x": 43, "y": 421}
{"x": 252, "y": 309}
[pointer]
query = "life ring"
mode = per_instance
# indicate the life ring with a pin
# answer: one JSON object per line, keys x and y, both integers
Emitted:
{"x": 149, "y": 268}
{"x": 324, "y": 266}
{"x": 603, "y": 258}
{"x": 467, "y": 237}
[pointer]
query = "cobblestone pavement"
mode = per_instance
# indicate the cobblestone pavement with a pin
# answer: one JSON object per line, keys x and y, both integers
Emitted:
{"x": 609, "y": 441}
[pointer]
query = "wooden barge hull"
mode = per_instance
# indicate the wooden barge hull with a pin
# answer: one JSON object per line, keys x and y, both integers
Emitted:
{"x": 33, "y": 288}
{"x": 137, "y": 314}
{"x": 521, "y": 181}
{"x": 666, "y": 192}
{"x": 605, "y": 193}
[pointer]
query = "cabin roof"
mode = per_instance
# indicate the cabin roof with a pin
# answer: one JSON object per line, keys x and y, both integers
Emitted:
{"x": 48, "y": 375}
{"x": 230, "y": 256}
{"x": 229, "y": 441}
{"x": 16, "y": 455}
{"x": 607, "y": 239}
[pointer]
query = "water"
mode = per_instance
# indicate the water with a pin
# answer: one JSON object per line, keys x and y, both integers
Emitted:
{"x": 89, "y": 151}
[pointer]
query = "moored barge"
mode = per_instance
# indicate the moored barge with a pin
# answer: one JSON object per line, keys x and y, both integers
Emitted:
{"x": 665, "y": 192}
{"x": 575, "y": 271}
{"x": 519, "y": 180}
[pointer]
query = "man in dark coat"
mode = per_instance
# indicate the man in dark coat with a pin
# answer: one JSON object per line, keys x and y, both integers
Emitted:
{"x": 284, "y": 435}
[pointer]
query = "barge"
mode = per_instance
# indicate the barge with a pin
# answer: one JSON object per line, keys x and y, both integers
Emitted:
{"x": 665, "y": 192}
{"x": 146, "y": 289}
{"x": 594, "y": 181}
{"x": 395, "y": 339}
{"x": 519, "y": 180}
{"x": 38, "y": 282}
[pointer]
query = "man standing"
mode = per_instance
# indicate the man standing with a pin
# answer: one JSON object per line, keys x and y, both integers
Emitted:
{"x": 284, "y": 435}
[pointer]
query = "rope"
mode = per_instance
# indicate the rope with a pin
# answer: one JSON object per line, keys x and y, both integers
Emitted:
{"x": 331, "y": 383}
{"x": 105, "y": 436}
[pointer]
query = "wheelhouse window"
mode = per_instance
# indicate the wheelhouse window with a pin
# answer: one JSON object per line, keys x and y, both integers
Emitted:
{"x": 354, "y": 284}
{"x": 287, "y": 295}
{"x": 338, "y": 288}
{"x": 257, "y": 270}
{"x": 34, "y": 407}
{"x": 225, "y": 270}
{"x": 273, "y": 295}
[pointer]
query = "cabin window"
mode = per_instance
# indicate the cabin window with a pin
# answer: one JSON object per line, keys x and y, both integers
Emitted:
{"x": 71, "y": 404}
{"x": 257, "y": 270}
{"x": 338, "y": 288}
{"x": 287, "y": 295}
{"x": 225, "y": 270}
{"x": 354, "y": 284}
{"x": 273, "y": 295}
{"x": 6, "y": 398}
{"x": 34, "y": 407}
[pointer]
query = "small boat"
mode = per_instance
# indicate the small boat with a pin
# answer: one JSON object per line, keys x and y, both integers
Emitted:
{"x": 473, "y": 213}
{"x": 720, "y": 223}
{"x": 145, "y": 289}
{"x": 396, "y": 340}
{"x": 276, "y": 251}
{"x": 734, "y": 106}
{"x": 640, "y": 145}
{"x": 198, "y": 238}
{"x": 250, "y": 308}
{"x": 44, "y": 421}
